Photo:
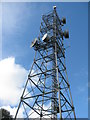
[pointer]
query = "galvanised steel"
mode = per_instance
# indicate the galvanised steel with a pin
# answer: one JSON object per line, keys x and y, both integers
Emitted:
{"x": 47, "y": 91}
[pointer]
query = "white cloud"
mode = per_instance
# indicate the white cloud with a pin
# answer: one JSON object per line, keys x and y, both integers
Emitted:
{"x": 13, "y": 111}
{"x": 45, "y": 107}
{"x": 12, "y": 79}
{"x": 21, "y": 111}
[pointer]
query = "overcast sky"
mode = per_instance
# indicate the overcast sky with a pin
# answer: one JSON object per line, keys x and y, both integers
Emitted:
{"x": 20, "y": 25}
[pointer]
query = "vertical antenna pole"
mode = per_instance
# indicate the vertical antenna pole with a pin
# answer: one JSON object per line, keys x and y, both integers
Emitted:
{"x": 57, "y": 64}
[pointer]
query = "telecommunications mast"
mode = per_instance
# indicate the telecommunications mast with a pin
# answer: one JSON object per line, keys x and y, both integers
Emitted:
{"x": 47, "y": 90}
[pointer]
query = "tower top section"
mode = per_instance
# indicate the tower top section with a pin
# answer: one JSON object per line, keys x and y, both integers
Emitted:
{"x": 50, "y": 31}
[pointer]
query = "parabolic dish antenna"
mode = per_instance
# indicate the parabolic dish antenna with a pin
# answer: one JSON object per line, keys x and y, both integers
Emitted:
{"x": 34, "y": 42}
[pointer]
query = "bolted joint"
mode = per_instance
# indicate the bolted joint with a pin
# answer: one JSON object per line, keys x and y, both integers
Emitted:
{"x": 43, "y": 91}
{"x": 29, "y": 76}
{"x": 21, "y": 98}
{"x": 73, "y": 108}
{"x": 59, "y": 88}
{"x": 68, "y": 85}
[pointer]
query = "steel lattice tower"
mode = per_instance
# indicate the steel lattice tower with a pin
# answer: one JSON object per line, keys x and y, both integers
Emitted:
{"x": 47, "y": 91}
